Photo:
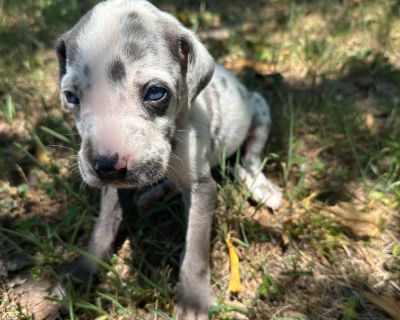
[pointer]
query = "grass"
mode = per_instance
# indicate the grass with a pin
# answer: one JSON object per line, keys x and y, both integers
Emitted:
{"x": 331, "y": 74}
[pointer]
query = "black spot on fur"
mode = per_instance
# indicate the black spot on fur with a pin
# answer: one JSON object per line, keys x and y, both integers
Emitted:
{"x": 211, "y": 97}
{"x": 224, "y": 82}
{"x": 133, "y": 25}
{"x": 216, "y": 131}
{"x": 86, "y": 70}
{"x": 218, "y": 123}
{"x": 135, "y": 50}
{"x": 77, "y": 85}
{"x": 134, "y": 17}
{"x": 215, "y": 94}
{"x": 77, "y": 89}
{"x": 209, "y": 104}
{"x": 116, "y": 70}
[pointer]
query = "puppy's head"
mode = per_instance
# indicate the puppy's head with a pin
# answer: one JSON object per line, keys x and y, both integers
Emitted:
{"x": 127, "y": 71}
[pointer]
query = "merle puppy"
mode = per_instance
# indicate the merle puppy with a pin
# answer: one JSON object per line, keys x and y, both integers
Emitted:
{"x": 151, "y": 104}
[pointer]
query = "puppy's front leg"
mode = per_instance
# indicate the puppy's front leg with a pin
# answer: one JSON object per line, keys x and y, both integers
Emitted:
{"x": 114, "y": 205}
{"x": 194, "y": 292}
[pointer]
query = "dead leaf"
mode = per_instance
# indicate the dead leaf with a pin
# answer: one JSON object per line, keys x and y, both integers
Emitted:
{"x": 33, "y": 296}
{"x": 234, "y": 282}
{"x": 390, "y": 305}
{"x": 362, "y": 223}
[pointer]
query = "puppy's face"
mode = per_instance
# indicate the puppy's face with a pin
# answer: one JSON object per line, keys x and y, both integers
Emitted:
{"x": 127, "y": 71}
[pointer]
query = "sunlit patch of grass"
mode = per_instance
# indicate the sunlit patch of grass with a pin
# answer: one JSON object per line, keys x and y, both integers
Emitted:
{"x": 10, "y": 309}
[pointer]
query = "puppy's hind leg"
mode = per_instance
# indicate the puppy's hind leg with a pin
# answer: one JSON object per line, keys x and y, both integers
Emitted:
{"x": 261, "y": 188}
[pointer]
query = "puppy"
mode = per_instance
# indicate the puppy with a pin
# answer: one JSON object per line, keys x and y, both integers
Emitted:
{"x": 150, "y": 103}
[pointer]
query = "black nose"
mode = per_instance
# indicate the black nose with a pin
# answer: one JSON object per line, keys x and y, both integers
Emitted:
{"x": 105, "y": 167}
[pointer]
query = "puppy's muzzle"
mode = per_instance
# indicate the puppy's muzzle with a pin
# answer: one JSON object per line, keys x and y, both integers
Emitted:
{"x": 108, "y": 167}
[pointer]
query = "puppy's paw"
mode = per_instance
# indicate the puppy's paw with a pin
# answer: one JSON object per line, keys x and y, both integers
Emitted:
{"x": 273, "y": 199}
{"x": 268, "y": 194}
{"x": 190, "y": 313}
{"x": 262, "y": 190}
{"x": 194, "y": 301}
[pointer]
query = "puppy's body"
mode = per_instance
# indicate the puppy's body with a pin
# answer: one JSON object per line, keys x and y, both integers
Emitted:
{"x": 226, "y": 102}
{"x": 219, "y": 118}
{"x": 225, "y": 116}
{"x": 149, "y": 103}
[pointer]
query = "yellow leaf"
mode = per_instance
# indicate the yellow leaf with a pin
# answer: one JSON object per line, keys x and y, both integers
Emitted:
{"x": 234, "y": 282}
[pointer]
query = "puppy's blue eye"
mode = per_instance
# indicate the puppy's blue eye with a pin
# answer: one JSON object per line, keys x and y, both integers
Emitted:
{"x": 71, "y": 98}
{"x": 155, "y": 93}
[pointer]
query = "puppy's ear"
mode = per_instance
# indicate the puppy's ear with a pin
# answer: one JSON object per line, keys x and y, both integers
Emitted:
{"x": 62, "y": 56}
{"x": 196, "y": 63}
{"x": 61, "y": 49}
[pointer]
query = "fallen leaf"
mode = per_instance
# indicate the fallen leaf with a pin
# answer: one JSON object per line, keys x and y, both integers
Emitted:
{"x": 34, "y": 295}
{"x": 362, "y": 223}
{"x": 390, "y": 305}
{"x": 234, "y": 282}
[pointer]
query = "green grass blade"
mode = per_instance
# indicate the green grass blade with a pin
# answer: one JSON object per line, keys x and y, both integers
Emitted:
{"x": 9, "y": 108}
{"x": 159, "y": 313}
{"x": 56, "y": 135}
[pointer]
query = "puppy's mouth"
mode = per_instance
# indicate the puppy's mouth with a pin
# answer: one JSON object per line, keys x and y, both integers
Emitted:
{"x": 138, "y": 175}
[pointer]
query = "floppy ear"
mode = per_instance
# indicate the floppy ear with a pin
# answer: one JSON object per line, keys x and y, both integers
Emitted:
{"x": 66, "y": 46}
{"x": 63, "y": 53}
{"x": 61, "y": 49}
{"x": 196, "y": 63}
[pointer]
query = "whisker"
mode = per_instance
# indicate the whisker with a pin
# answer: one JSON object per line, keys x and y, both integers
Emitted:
{"x": 181, "y": 139}
{"x": 69, "y": 158}
{"x": 74, "y": 172}
{"x": 171, "y": 167}
{"x": 177, "y": 157}
{"x": 62, "y": 147}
